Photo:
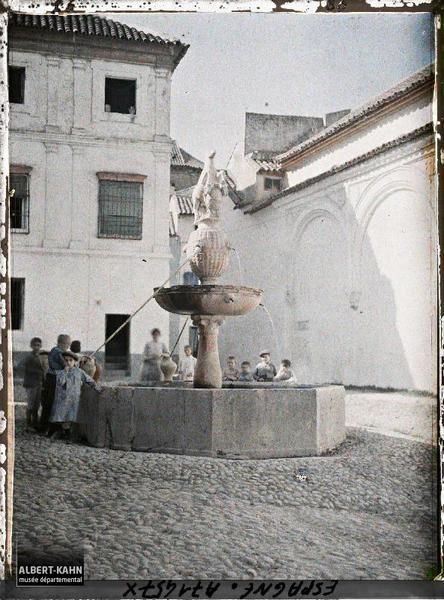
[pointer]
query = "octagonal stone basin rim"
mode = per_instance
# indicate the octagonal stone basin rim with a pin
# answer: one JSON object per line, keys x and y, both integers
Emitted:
{"x": 210, "y": 300}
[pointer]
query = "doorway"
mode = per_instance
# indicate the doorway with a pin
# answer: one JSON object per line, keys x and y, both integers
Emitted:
{"x": 117, "y": 350}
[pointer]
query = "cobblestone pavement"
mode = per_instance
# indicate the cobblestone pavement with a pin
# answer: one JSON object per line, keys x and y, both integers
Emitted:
{"x": 364, "y": 512}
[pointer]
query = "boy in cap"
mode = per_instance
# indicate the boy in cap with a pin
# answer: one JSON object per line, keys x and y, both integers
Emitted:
{"x": 265, "y": 369}
{"x": 69, "y": 382}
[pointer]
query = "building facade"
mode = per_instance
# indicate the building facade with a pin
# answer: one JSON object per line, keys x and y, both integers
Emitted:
{"x": 347, "y": 251}
{"x": 90, "y": 165}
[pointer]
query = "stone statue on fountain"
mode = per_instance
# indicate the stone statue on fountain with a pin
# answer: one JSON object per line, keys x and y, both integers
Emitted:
{"x": 208, "y": 249}
{"x": 208, "y": 252}
{"x": 208, "y": 194}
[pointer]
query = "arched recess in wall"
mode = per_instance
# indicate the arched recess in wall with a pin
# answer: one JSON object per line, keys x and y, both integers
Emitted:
{"x": 319, "y": 294}
{"x": 394, "y": 340}
{"x": 409, "y": 178}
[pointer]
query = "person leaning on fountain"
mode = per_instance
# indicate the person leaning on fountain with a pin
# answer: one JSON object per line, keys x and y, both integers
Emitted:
{"x": 245, "y": 372}
{"x": 56, "y": 363}
{"x": 230, "y": 373}
{"x": 152, "y": 355}
{"x": 265, "y": 369}
{"x": 285, "y": 373}
{"x": 69, "y": 382}
{"x": 89, "y": 364}
{"x": 187, "y": 365}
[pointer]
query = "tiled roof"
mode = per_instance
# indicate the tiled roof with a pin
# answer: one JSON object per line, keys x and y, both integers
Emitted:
{"x": 417, "y": 80}
{"x": 181, "y": 158}
{"x": 92, "y": 25}
{"x": 185, "y": 204}
{"x": 172, "y": 226}
{"x": 176, "y": 155}
{"x": 266, "y": 161}
{"x": 408, "y": 137}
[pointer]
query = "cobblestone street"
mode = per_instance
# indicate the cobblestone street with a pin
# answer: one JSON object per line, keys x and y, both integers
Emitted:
{"x": 365, "y": 512}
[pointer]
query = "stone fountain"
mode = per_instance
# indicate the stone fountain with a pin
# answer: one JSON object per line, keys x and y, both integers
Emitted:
{"x": 208, "y": 251}
{"x": 257, "y": 420}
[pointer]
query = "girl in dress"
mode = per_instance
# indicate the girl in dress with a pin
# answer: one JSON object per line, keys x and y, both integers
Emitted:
{"x": 151, "y": 358}
{"x": 69, "y": 383}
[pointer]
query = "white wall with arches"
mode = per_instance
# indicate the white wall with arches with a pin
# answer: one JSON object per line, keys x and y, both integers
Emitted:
{"x": 349, "y": 271}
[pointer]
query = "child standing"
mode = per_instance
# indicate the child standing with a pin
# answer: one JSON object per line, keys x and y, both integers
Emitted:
{"x": 69, "y": 383}
{"x": 32, "y": 382}
{"x": 285, "y": 372}
{"x": 231, "y": 373}
{"x": 56, "y": 363}
{"x": 187, "y": 365}
{"x": 265, "y": 369}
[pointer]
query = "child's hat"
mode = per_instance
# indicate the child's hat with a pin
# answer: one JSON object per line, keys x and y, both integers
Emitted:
{"x": 71, "y": 354}
{"x": 264, "y": 352}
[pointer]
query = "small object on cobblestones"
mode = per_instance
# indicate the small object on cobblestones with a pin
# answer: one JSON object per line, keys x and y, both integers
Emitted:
{"x": 88, "y": 494}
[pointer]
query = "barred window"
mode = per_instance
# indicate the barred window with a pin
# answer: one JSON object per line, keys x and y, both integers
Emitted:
{"x": 120, "y": 209}
{"x": 19, "y": 203}
{"x": 17, "y": 302}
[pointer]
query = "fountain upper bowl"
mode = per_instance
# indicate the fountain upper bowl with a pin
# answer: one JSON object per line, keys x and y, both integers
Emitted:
{"x": 210, "y": 300}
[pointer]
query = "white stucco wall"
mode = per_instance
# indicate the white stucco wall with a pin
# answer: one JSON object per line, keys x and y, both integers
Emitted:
{"x": 72, "y": 277}
{"x": 374, "y": 132}
{"x": 348, "y": 268}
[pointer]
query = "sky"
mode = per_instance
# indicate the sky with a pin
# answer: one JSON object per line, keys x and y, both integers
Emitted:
{"x": 282, "y": 64}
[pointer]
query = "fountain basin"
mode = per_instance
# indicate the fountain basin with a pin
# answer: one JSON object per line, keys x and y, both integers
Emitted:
{"x": 222, "y": 423}
{"x": 209, "y": 300}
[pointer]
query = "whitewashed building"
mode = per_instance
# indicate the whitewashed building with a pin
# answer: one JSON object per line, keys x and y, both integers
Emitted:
{"x": 90, "y": 164}
{"x": 345, "y": 248}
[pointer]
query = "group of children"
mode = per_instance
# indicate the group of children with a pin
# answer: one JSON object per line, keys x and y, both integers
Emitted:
{"x": 53, "y": 381}
{"x": 264, "y": 370}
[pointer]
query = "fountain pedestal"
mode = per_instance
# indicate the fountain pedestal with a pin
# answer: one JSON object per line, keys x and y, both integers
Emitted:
{"x": 207, "y": 373}
{"x": 208, "y": 252}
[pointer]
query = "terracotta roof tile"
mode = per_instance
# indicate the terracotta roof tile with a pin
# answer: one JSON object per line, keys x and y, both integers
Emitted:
{"x": 91, "y": 25}
{"x": 181, "y": 158}
{"x": 415, "y": 81}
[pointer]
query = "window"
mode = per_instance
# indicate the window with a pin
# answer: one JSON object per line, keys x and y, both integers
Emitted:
{"x": 120, "y": 206}
{"x": 16, "y": 77}
{"x": 190, "y": 278}
{"x": 17, "y": 302}
{"x": 120, "y": 96}
{"x": 19, "y": 203}
{"x": 272, "y": 183}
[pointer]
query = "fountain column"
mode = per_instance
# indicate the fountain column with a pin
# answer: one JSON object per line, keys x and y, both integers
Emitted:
{"x": 208, "y": 373}
{"x": 208, "y": 252}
